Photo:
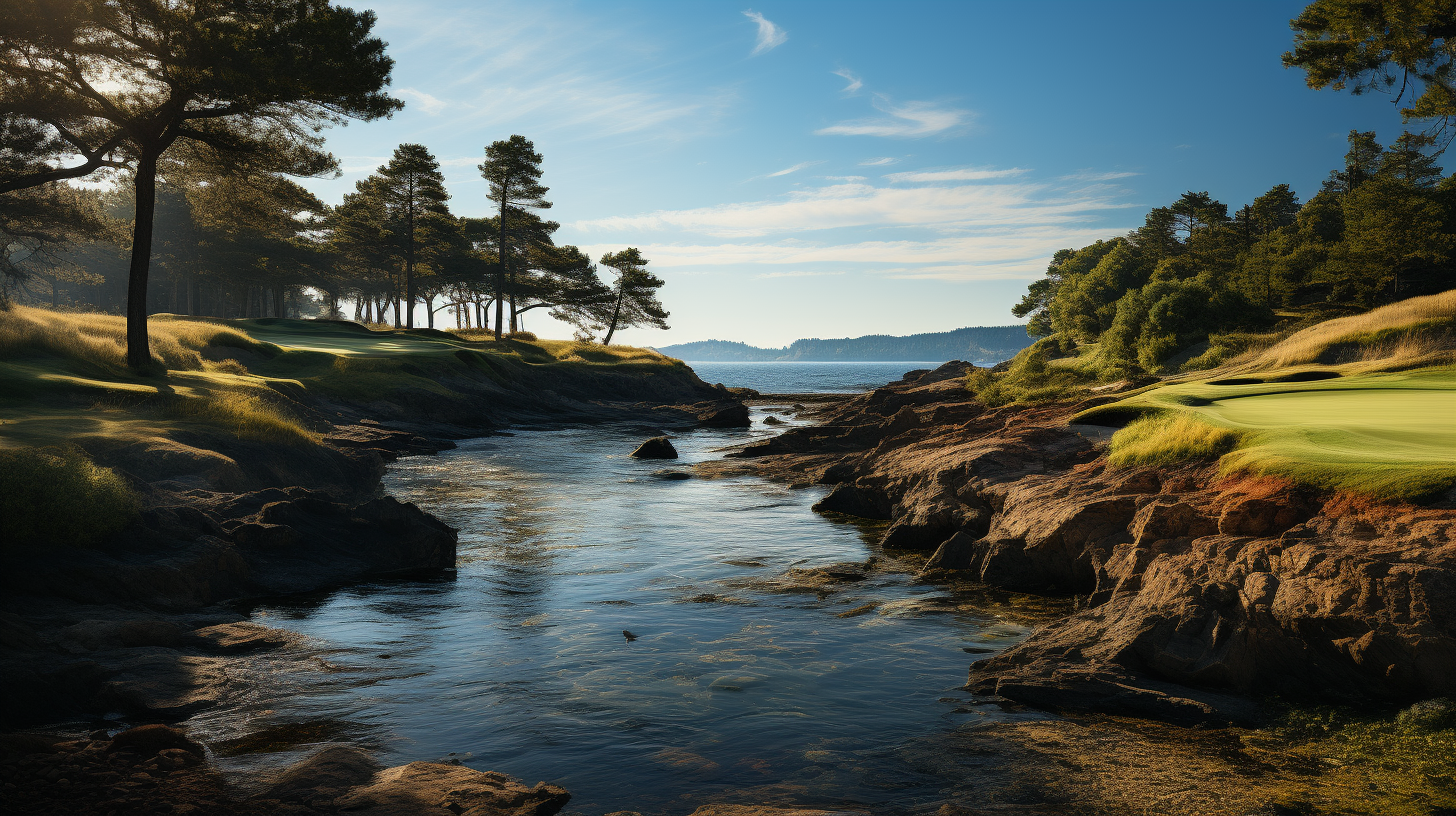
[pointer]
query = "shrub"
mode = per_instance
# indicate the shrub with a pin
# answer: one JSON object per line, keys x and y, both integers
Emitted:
{"x": 51, "y": 496}
{"x": 521, "y": 335}
{"x": 1169, "y": 438}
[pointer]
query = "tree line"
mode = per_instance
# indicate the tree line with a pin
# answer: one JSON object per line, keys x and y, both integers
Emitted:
{"x": 1381, "y": 228}
{"x": 200, "y": 113}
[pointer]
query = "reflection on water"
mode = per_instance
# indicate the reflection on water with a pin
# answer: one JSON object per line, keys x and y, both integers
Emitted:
{"x": 743, "y": 682}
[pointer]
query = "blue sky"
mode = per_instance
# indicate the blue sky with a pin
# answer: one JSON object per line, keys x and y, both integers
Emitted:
{"x": 832, "y": 169}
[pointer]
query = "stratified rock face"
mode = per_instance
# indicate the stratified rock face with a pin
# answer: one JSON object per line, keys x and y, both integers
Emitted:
{"x": 426, "y": 787}
{"x": 658, "y": 447}
{"x": 1249, "y": 586}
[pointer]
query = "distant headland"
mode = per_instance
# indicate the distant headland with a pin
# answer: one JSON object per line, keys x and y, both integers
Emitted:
{"x": 982, "y": 345}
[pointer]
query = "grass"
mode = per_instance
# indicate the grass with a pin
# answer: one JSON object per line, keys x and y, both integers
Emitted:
{"x": 1365, "y": 404}
{"x": 57, "y": 496}
{"x": 63, "y": 376}
{"x": 1169, "y": 438}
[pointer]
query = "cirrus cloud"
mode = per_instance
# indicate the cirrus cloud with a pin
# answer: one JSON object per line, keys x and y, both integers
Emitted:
{"x": 770, "y": 36}
{"x": 909, "y": 120}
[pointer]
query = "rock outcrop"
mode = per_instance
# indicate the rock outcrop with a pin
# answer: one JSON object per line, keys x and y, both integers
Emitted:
{"x": 1196, "y": 591}
{"x": 658, "y": 447}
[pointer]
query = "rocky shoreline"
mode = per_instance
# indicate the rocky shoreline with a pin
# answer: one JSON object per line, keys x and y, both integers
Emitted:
{"x": 1199, "y": 596}
{"x": 150, "y": 625}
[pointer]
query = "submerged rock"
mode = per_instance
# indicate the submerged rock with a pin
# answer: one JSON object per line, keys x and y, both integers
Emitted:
{"x": 672, "y": 475}
{"x": 658, "y": 447}
{"x": 772, "y": 420}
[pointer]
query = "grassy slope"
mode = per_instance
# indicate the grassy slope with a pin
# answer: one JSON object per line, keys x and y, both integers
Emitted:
{"x": 1382, "y": 422}
{"x": 62, "y": 375}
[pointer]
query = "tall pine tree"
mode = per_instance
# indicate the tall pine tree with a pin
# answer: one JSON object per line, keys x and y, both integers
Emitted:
{"x": 512, "y": 168}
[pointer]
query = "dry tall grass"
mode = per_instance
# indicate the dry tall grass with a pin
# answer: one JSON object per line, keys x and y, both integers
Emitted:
{"x": 100, "y": 339}
{"x": 1420, "y": 331}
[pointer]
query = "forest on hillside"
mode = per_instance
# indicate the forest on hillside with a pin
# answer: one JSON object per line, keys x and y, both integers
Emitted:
{"x": 1381, "y": 228}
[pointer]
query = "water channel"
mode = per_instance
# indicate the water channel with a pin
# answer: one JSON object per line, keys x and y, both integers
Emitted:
{"x": 741, "y": 684}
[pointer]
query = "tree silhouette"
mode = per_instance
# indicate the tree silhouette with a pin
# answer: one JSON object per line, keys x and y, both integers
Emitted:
{"x": 411, "y": 189}
{"x": 119, "y": 82}
{"x": 512, "y": 168}
{"x": 634, "y": 294}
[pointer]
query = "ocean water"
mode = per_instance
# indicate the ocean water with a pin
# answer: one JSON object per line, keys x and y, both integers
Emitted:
{"x": 743, "y": 684}
{"x": 805, "y": 378}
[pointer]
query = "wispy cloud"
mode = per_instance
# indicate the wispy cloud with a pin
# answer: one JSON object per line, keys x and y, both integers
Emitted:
{"x": 844, "y": 178}
{"x": 797, "y": 273}
{"x": 770, "y": 36}
{"x": 796, "y": 168}
{"x": 880, "y": 162}
{"x": 361, "y": 164}
{"x": 427, "y": 103}
{"x": 1004, "y": 205}
{"x": 1001, "y": 226}
{"x": 1092, "y": 175}
{"x": 963, "y": 174}
{"x": 583, "y": 75}
{"x": 910, "y": 120}
{"x": 855, "y": 83}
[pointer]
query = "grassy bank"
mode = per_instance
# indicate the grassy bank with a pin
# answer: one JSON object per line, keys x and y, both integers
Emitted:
{"x": 222, "y": 396}
{"x": 243, "y": 377}
{"x": 1365, "y": 404}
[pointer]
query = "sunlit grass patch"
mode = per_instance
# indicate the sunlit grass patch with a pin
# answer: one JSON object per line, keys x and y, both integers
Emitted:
{"x": 1419, "y": 331}
{"x": 1390, "y": 435}
{"x": 1169, "y": 438}
{"x": 100, "y": 339}
{"x": 58, "y": 496}
{"x": 247, "y": 416}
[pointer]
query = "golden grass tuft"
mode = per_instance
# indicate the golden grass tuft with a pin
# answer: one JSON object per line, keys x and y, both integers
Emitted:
{"x": 58, "y": 496}
{"x": 248, "y": 416}
{"x": 100, "y": 339}
{"x": 1169, "y": 438}
{"x": 1419, "y": 331}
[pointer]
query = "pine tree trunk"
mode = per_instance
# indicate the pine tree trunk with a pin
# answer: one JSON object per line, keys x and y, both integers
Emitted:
{"x": 138, "y": 346}
{"x": 500, "y": 268}
{"x": 616, "y": 315}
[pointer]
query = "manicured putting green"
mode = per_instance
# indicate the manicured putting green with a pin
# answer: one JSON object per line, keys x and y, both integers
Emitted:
{"x": 1390, "y": 434}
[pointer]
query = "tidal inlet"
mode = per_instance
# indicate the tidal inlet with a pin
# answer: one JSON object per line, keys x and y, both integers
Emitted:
{"x": 814, "y": 409}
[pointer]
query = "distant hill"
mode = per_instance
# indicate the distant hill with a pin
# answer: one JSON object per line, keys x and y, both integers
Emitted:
{"x": 982, "y": 345}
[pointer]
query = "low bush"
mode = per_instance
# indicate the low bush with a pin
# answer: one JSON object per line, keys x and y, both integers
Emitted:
{"x": 58, "y": 496}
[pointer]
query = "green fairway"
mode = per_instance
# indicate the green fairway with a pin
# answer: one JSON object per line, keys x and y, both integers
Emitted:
{"x": 1388, "y": 434}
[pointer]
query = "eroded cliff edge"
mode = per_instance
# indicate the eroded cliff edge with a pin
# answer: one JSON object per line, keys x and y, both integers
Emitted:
{"x": 1198, "y": 595}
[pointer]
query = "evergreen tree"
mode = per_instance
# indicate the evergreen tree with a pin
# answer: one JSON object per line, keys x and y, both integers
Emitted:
{"x": 1362, "y": 160}
{"x": 254, "y": 82}
{"x": 1406, "y": 159}
{"x": 1401, "y": 47}
{"x": 412, "y": 188}
{"x": 512, "y": 168}
{"x": 633, "y": 300}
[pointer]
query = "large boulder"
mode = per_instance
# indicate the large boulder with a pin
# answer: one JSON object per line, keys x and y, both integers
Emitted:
{"x": 658, "y": 447}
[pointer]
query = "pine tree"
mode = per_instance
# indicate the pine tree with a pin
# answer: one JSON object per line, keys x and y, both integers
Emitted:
{"x": 634, "y": 295}
{"x": 253, "y": 82}
{"x": 411, "y": 188}
{"x": 512, "y": 168}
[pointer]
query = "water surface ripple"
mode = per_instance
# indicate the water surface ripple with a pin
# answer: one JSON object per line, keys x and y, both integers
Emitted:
{"x": 740, "y": 685}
